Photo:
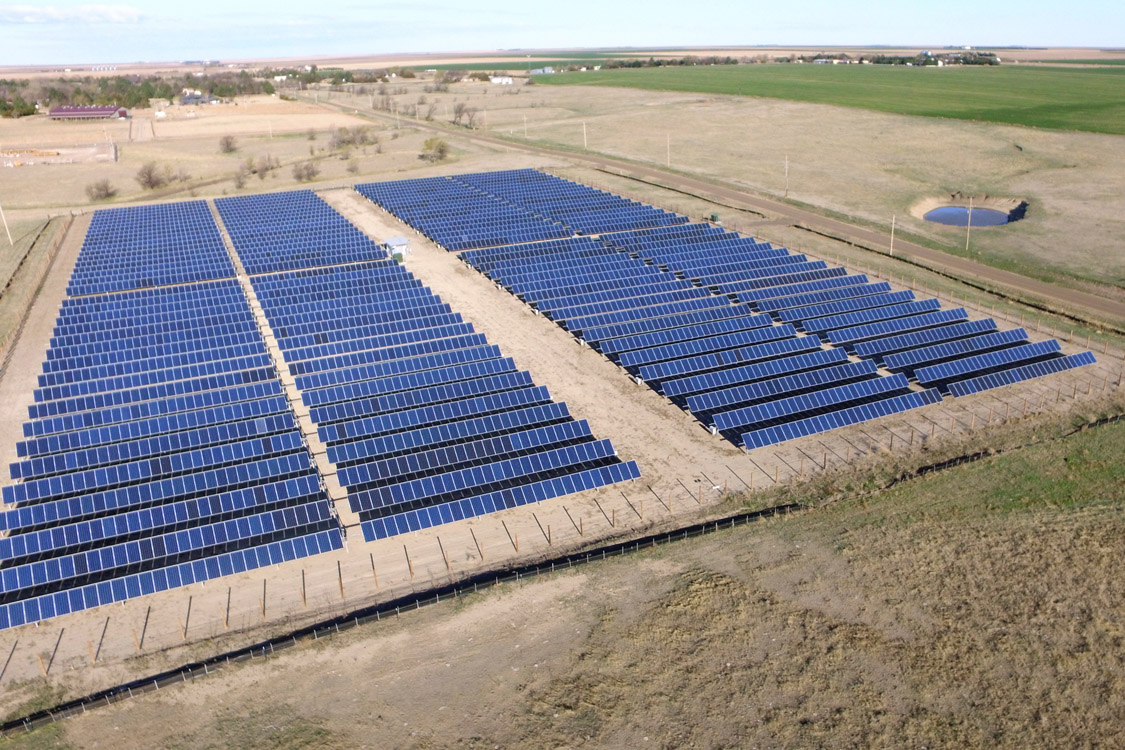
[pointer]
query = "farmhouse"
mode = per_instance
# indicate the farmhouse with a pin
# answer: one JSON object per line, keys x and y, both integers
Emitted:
{"x": 108, "y": 112}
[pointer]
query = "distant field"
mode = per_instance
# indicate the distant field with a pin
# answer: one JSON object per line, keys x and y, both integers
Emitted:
{"x": 1059, "y": 98}
{"x": 1094, "y": 61}
{"x": 516, "y": 64}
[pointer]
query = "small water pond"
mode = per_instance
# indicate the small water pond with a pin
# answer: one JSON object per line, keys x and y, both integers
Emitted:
{"x": 958, "y": 216}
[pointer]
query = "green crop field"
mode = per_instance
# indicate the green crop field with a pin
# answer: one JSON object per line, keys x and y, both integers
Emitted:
{"x": 1061, "y": 98}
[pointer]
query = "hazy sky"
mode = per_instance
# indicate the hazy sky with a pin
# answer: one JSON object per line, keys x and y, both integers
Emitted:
{"x": 76, "y": 32}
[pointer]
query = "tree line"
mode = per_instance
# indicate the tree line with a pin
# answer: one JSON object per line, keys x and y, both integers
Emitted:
{"x": 19, "y": 97}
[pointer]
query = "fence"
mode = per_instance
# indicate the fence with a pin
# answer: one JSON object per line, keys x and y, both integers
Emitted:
{"x": 29, "y": 291}
{"x": 375, "y": 613}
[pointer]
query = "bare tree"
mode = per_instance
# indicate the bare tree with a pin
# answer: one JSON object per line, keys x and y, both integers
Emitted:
{"x": 305, "y": 171}
{"x": 101, "y": 190}
{"x": 241, "y": 175}
{"x": 459, "y": 112}
{"x": 150, "y": 176}
{"x": 470, "y": 117}
{"x": 430, "y": 111}
{"x": 227, "y": 144}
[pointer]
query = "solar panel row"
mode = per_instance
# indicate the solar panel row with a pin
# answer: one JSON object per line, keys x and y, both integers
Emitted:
{"x": 149, "y": 246}
{"x": 627, "y": 297}
{"x": 416, "y": 409}
{"x": 295, "y": 229}
{"x": 160, "y": 451}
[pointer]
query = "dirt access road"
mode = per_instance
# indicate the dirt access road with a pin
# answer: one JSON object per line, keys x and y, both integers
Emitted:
{"x": 1073, "y": 302}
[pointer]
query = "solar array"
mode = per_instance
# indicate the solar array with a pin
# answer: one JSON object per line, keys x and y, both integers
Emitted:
{"x": 762, "y": 345}
{"x": 503, "y": 208}
{"x": 147, "y": 246}
{"x": 295, "y": 229}
{"x": 426, "y": 422}
{"x": 161, "y": 451}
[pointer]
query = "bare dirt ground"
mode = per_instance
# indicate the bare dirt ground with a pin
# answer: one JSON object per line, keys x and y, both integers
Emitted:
{"x": 935, "y": 614}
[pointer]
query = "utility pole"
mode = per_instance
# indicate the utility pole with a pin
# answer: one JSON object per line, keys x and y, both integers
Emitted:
{"x": 969, "y": 224}
{"x": 892, "y": 234}
{"x": 6, "y": 230}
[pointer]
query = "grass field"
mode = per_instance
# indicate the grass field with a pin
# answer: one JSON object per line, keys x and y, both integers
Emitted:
{"x": 1084, "y": 62}
{"x": 1059, "y": 98}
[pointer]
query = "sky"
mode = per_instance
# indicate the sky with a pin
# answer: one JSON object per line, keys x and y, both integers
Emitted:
{"x": 58, "y": 32}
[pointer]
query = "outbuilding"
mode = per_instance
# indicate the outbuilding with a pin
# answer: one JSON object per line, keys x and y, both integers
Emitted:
{"x": 105, "y": 112}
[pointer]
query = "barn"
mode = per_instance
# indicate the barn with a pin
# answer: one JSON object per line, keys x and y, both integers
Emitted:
{"x": 104, "y": 112}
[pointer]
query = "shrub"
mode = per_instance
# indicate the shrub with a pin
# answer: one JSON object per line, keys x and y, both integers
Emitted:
{"x": 101, "y": 190}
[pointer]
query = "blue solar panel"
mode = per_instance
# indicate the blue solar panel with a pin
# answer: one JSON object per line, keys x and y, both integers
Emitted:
{"x": 1019, "y": 374}
{"x": 841, "y": 418}
{"x": 861, "y": 317}
{"x": 879, "y": 347}
{"x": 715, "y": 400}
{"x": 683, "y": 349}
{"x": 853, "y": 335}
{"x": 840, "y": 307}
{"x": 784, "y": 409}
{"x": 160, "y": 434}
{"x": 297, "y": 229}
{"x": 414, "y": 520}
{"x": 817, "y": 358}
{"x": 907, "y": 361}
{"x": 149, "y": 246}
{"x": 730, "y": 358}
{"x": 957, "y": 369}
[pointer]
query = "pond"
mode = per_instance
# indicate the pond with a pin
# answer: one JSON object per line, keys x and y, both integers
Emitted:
{"x": 958, "y": 216}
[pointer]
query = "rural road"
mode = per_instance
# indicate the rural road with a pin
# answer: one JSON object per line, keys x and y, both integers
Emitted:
{"x": 1073, "y": 302}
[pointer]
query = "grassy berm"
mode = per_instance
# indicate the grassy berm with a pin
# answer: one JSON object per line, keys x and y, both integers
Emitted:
{"x": 982, "y": 606}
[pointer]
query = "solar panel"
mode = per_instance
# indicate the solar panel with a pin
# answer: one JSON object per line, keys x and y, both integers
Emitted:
{"x": 1019, "y": 374}
{"x": 841, "y": 418}
{"x": 956, "y": 369}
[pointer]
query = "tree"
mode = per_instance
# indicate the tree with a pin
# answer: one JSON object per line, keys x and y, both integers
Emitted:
{"x": 227, "y": 144}
{"x": 101, "y": 190}
{"x": 434, "y": 150}
{"x": 151, "y": 176}
{"x": 305, "y": 171}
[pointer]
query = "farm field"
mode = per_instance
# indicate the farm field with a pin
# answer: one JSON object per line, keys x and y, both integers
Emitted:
{"x": 973, "y": 607}
{"x": 1058, "y": 98}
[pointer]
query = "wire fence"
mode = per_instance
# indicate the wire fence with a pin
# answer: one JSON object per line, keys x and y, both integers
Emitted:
{"x": 377, "y": 613}
{"x": 26, "y": 293}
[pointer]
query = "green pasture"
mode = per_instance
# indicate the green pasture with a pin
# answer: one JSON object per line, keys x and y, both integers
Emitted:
{"x": 1045, "y": 97}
